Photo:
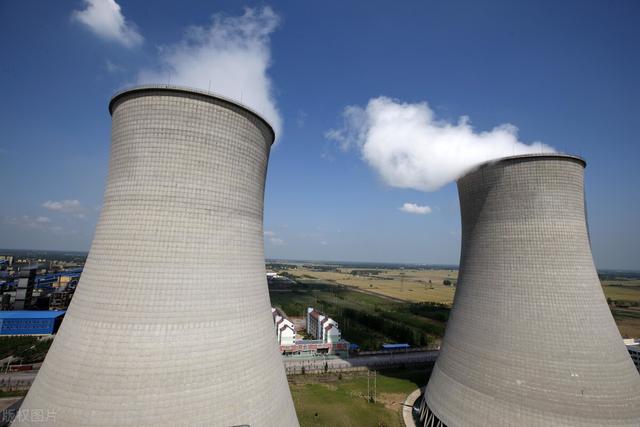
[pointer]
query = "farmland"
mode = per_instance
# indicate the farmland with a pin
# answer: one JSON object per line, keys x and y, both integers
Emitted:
{"x": 414, "y": 285}
{"x": 623, "y": 295}
{"x": 427, "y": 285}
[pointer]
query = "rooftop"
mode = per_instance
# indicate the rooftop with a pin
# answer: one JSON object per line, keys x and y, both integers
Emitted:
{"x": 31, "y": 314}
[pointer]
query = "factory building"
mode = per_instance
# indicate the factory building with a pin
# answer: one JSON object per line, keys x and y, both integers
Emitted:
{"x": 530, "y": 340}
{"x": 24, "y": 288}
{"x": 158, "y": 346}
{"x": 30, "y": 322}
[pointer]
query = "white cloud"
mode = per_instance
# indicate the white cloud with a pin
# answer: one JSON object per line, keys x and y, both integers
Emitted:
{"x": 67, "y": 206}
{"x": 269, "y": 233}
{"x": 410, "y": 148}
{"x": 105, "y": 19}
{"x": 230, "y": 57}
{"x": 27, "y": 221}
{"x": 412, "y": 208}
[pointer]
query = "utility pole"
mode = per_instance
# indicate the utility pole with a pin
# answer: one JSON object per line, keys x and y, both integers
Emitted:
{"x": 375, "y": 387}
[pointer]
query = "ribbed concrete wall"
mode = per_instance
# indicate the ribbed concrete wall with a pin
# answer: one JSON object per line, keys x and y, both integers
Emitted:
{"x": 171, "y": 323}
{"x": 530, "y": 340}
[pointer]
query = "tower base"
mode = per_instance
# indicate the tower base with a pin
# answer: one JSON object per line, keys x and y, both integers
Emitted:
{"x": 428, "y": 418}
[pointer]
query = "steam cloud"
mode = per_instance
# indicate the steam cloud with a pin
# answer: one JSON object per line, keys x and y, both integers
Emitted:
{"x": 230, "y": 57}
{"x": 410, "y": 148}
{"x": 105, "y": 19}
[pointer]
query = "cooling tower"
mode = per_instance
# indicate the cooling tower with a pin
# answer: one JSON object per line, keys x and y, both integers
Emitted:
{"x": 530, "y": 340}
{"x": 171, "y": 322}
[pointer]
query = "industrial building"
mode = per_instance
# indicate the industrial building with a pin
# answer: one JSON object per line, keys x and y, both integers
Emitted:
{"x": 633, "y": 346}
{"x": 158, "y": 346}
{"x": 530, "y": 340}
{"x": 24, "y": 289}
{"x": 30, "y": 322}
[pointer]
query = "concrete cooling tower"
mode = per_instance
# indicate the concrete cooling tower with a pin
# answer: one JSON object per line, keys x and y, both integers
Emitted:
{"x": 171, "y": 322}
{"x": 530, "y": 340}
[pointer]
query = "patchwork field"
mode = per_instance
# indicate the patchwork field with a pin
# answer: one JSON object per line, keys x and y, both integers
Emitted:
{"x": 623, "y": 296}
{"x": 428, "y": 286}
{"x": 423, "y": 285}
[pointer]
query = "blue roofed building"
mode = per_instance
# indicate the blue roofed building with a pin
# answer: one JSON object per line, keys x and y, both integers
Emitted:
{"x": 30, "y": 322}
{"x": 394, "y": 347}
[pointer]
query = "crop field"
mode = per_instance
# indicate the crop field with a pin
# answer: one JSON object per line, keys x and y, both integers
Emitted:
{"x": 623, "y": 295}
{"x": 427, "y": 286}
{"x": 622, "y": 289}
{"x": 423, "y": 285}
{"x": 343, "y": 400}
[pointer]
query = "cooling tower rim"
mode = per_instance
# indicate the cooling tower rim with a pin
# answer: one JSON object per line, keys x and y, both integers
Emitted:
{"x": 188, "y": 90}
{"x": 533, "y": 156}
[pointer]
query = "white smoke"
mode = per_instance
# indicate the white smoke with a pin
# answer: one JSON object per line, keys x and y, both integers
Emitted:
{"x": 410, "y": 148}
{"x": 230, "y": 57}
{"x": 105, "y": 19}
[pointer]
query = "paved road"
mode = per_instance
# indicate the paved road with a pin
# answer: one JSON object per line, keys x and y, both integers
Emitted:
{"x": 19, "y": 376}
{"x": 294, "y": 366}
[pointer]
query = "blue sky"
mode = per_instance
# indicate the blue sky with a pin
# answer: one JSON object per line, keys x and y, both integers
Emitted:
{"x": 565, "y": 73}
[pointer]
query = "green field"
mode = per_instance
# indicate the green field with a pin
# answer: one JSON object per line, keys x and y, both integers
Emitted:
{"x": 623, "y": 296}
{"x": 385, "y": 290}
{"x": 28, "y": 349}
{"x": 365, "y": 319}
{"x": 333, "y": 400}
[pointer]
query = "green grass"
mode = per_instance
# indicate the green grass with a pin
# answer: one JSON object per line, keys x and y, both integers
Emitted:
{"x": 619, "y": 291}
{"x": 332, "y": 400}
{"x": 29, "y": 349}
{"x": 12, "y": 393}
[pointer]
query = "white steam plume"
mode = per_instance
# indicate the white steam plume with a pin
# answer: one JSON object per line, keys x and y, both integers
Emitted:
{"x": 410, "y": 148}
{"x": 230, "y": 57}
{"x": 105, "y": 19}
